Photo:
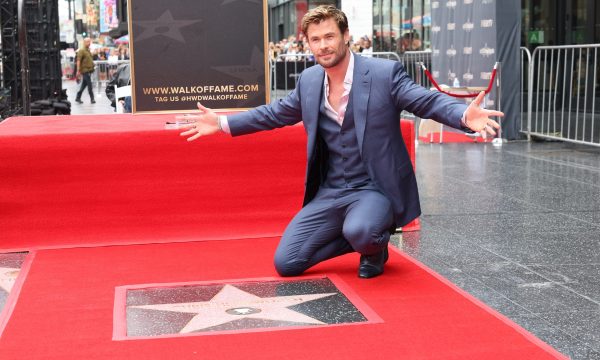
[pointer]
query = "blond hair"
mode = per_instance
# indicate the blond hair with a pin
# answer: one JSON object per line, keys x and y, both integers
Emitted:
{"x": 322, "y": 13}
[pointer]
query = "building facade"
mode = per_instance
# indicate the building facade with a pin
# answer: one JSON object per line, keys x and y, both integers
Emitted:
{"x": 560, "y": 22}
{"x": 544, "y": 22}
{"x": 285, "y": 16}
{"x": 394, "y": 18}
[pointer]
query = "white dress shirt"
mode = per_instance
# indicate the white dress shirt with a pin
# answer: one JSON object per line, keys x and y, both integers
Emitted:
{"x": 338, "y": 115}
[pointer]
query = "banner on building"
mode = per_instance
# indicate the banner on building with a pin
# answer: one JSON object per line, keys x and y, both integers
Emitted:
{"x": 108, "y": 15}
{"x": 464, "y": 41}
{"x": 190, "y": 51}
{"x": 468, "y": 38}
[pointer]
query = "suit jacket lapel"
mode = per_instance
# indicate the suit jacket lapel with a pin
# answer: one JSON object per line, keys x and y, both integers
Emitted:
{"x": 313, "y": 95}
{"x": 361, "y": 89}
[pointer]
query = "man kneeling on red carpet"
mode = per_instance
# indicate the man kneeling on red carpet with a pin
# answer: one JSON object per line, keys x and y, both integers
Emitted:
{"x": 360, "y": 184}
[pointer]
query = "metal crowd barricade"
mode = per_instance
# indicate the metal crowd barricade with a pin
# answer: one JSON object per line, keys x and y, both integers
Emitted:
{"x": 525, "y": 90}
{"x": 383, "y": 55}
{"x": 103, "y": 72}
{"x": 412, "y": 63}
{"x": 285, "y": 70}
{"x": 563, "y": 94}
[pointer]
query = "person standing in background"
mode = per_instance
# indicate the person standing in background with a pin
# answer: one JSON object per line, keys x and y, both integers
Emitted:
{"x": 85, "y": 68}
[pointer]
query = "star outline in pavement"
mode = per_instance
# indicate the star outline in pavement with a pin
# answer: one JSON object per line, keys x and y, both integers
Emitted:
{"x": 166, "y": 20}
{"x": 218, "y": 310}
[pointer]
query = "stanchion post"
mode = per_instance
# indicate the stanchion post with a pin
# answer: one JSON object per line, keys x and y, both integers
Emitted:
{"x": 530, "y": 94}
{"x": 498, "y": 141}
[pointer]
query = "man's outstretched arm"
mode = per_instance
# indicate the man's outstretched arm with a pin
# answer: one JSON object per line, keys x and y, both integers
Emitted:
{"x": 281, "y": 113}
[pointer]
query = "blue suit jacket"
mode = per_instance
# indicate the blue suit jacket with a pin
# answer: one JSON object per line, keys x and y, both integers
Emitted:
{"x": 381, "y": 89}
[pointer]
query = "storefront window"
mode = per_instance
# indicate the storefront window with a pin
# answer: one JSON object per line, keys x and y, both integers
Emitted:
{"x": 417, "y": 12}
{"x": 417, "y": 25}
{"x": 394, "y": 18}
{"x": 315, "y": 3}
{"x": 406, "y": 11}
{"x": 426, "y": 33}
{"x": 579, "y": 16}
{"x": 539, "y": 28}
{"x": 377, "y": 32}
{"x": 386, "y": 26}
{"x": 597, "y": 24}
{"x": 555, "y": 22}
{"x": 396, "y": 30}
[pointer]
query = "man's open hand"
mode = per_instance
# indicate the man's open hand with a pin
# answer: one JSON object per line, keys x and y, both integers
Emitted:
{"x": 478, "y": 119}
{"x": 204, "y": 123}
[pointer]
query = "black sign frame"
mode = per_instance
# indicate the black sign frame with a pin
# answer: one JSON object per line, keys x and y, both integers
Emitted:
{"x": 188, "y": 51}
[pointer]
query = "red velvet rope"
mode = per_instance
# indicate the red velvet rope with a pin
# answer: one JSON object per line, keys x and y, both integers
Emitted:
{"x": 471, "y": 95}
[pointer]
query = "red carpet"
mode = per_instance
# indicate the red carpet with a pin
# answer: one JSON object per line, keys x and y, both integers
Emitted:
{"x": 65, "y": 310}
{"x": 124, "y": 179}
{"x": 71, "y": 181}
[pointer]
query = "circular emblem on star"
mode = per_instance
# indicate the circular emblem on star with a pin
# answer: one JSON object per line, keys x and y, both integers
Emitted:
{"x": 243, "y": 311}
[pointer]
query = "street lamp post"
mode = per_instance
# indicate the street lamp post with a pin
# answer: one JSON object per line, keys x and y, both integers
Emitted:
{"x": 22, "y": 31}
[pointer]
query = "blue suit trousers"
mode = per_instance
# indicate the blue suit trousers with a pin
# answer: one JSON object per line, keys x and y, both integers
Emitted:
{"x": 335, "y": 222}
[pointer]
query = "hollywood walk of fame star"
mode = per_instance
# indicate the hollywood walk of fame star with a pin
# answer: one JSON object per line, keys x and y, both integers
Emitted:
{"x": 231, "y": 303}
{"x": 165, "y": 25}
{"x": 8, "y": 277}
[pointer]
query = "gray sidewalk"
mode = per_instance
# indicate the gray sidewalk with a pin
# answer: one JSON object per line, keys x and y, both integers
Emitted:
{"x": 518, "y": 227}
{"x": 102, "y": 105}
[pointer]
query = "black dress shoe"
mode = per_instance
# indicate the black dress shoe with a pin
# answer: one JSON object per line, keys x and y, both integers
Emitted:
{"x": 78, "y": 101}
{"x": 93, "y": 101}
{"x": 372, "y": 265}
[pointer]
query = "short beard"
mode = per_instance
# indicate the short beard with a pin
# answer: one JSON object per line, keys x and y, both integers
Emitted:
{"x": 337, "y": 61}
